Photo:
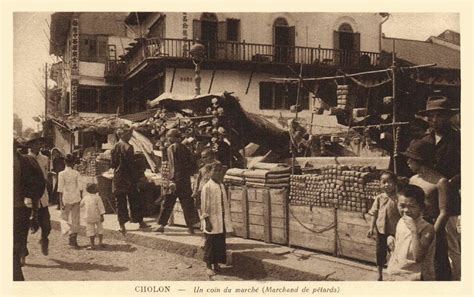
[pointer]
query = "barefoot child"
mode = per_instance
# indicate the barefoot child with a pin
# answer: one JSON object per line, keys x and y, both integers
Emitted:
{"x": 94, "y": 215}
{"x": 216, "y": 218}
{"x": 385, "y": 217}
{"x": 413, "y": 246}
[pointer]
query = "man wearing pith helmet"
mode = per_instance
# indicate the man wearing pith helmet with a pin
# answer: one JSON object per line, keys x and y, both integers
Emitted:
{"x": 439, "y": 111}
{"x": 182, "y": 166}
{"x": 124, "y": 183}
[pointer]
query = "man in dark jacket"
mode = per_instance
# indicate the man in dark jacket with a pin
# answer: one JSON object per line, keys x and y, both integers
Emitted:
{"x": 124, "y": 183}
{"x": 447, "y": 159}
{"x": 28, "y": 187}
{"x": 182, "y": 166}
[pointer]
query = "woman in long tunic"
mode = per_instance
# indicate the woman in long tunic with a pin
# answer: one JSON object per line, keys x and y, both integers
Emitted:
{"x": 420, "y": 154}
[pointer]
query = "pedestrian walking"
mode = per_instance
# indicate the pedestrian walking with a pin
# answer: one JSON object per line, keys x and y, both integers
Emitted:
{"x": 385, "y": 217}
{"x": 182, "y": 166}
{"x": 413, "y": 245}
{"x": 28, "y": 187}
{"x": 215, "y": 217}
{"x": 43, "y": 215}
{"x": 70, "y": 195}
{"x": 94, "y": 211}
{"x": 124, "y": 182}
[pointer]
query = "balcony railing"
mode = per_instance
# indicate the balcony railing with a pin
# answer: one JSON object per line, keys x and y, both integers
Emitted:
{"x": 251, "y": 52}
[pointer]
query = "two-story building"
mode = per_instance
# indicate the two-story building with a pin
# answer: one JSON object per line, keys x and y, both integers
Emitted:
{"x": 243, "y": 52}
{"x": 90, "y": 72}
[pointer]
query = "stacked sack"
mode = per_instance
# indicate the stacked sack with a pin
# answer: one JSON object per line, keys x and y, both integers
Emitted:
{"x": 235, "y": 177}
{"x": 271, "y": 175}
{"x": 344, "y": 187}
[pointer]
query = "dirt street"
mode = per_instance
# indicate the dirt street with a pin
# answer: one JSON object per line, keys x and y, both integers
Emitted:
{"x": 117, "y": 261}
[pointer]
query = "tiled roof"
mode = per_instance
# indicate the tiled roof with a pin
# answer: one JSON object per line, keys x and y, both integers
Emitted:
{"x": 422, "y": 52}
{"x": 140, "y": 116}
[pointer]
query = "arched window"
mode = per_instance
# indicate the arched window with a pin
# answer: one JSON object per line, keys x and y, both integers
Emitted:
{"x": 345, "y": 27}
{"x": 208, "y": 16}
{"x": 280, "y": 22}
{"x": 347, "y": 42}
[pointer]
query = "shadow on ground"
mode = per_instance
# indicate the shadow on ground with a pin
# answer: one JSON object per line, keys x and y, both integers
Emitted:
{"x": 80, "y": 266}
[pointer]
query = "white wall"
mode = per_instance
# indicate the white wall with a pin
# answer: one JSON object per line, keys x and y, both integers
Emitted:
{"x": 91, "y": 69}
{"x": 312, "y": 29}
{"x": 120, "y": 43}
{"x": 236, "y": 82}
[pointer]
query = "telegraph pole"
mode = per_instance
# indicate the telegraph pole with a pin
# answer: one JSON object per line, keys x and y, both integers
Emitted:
{"x": 45, "y": 90}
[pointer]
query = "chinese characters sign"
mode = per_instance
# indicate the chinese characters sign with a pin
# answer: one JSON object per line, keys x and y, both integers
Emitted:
{"x": 75, "y": 46}
{"x": 74, "y": 86}
{"x": 185, "y": 27}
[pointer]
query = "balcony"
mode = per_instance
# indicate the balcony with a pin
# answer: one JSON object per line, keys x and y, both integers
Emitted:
{"x": 115, "y": 70}
{"x": 242, "y": 52}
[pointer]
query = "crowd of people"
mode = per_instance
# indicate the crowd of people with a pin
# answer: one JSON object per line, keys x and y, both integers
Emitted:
{"x": 414, "y": 222}
{"x": 417, "y": 222}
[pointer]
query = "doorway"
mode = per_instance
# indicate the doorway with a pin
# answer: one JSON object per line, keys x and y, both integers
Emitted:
{"x": 209, "y": 33}
{"x": 284, "y": 41}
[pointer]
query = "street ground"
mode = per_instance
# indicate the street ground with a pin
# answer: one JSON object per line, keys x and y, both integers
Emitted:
{"x": 117, "y": 261}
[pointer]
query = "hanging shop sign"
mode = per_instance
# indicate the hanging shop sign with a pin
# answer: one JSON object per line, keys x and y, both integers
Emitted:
{"x": 185, "y": 27}
{"x": 75, "y": 46}
{"x": 74, "y": 88}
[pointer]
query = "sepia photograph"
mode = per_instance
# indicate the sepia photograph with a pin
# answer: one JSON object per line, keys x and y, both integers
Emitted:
{"x": 227, "y": 146}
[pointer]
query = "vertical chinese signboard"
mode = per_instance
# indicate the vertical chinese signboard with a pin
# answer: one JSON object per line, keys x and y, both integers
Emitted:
{"x": 74, "y": 62}
{"x": 185, "y": 33}
{"x": 74, "y": 87}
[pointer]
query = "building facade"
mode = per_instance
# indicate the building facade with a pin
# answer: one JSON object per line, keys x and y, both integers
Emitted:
{"x": 243, "y": 52}
{"x": 89, "y": 45}
{"x": 90, "y": 72}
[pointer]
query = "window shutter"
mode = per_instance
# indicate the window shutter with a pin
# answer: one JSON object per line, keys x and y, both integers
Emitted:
{"x": 337, "y": 54}
{"x": 291, "y": 43}
{"x": 357, "y": 42}
{"x": 84, "y": 48}
{"x": 102, "y": 46}
{"x": 266, "y": 95}
{"x": 196, "y": 29}
{"x": 336, "y": 40}
{"x": 221, "y": 31}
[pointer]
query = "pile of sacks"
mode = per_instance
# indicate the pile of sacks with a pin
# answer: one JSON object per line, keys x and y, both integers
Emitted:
{"x": 271, "y": 175}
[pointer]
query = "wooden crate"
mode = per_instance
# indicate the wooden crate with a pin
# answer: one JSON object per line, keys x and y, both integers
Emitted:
{"x": 312, "y": 228}
{"x": 352, "y": 230}
{"x": 238, "y": 206}
{"x": 259, "y": 213}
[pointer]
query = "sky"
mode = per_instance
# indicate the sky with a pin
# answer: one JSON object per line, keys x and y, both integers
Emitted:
{"x": 31, "y": 51}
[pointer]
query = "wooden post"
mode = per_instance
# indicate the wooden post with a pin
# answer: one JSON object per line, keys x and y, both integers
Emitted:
{"x": 335, "y": 233}
{"x": 395, "y": 128}
{"x": 245, "y": 212}
{"x": 45, "y": 91}
{"x": 197, "y": 78}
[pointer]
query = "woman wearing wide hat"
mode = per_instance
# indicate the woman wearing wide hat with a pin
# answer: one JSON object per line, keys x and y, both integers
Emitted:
{"x": 447, "y": 161}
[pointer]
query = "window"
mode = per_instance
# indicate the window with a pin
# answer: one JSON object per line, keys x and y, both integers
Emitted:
{"x": 281, "y": 96}
{"x": 233, "y": 29}
{"x": 87, "y": 99}
{"x": 112, "y": 52}
{"x": 93, "y": 48}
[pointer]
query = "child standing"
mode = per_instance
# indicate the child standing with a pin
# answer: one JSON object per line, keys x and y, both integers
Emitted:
{"x": 94, "y": 215}
{"x": 216, "y": 218}
{"x": 385, "y": 217}
{"x": 413, "y": 246}
{"x": 70, "y": 195}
